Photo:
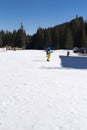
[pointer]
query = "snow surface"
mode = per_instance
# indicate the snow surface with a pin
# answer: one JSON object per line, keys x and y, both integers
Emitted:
{"x": 40, "y": 95}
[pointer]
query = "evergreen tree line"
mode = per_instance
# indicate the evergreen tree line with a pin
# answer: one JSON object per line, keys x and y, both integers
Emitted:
{"x": 65, "y": 36}
{"x": 17, "y": 38}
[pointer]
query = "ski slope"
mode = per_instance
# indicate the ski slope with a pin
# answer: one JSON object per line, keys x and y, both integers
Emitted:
{"x": 40, "y": 95}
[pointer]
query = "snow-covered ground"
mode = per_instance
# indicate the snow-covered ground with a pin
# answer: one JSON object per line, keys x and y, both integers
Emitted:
{"x": 40, "y": 95}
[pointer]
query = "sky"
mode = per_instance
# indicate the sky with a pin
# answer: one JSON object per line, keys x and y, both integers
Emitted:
{"x": 40, "y": 13}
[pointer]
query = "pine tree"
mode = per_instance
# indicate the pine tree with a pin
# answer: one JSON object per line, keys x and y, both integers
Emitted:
{"x": 69, "y": 39}
{"x": 1, "y": 42}
{"x": 21, "y": 37}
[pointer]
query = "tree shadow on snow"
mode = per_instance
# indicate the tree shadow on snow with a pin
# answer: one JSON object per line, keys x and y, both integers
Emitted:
{"x": 74, "y": 62}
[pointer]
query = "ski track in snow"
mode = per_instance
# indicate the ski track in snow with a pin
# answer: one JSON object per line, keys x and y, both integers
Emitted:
{"x": 40, "y": 95}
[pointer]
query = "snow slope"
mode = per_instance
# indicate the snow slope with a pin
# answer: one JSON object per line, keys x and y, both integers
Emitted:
{"x": 40, "y": 95}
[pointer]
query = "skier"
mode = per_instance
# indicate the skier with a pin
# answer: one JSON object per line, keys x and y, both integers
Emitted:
{"x": 48, "y": 53}
{"x": 68, "y": 53}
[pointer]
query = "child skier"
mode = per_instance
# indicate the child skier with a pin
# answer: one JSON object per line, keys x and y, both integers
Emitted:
{"x": 68, "y": 53}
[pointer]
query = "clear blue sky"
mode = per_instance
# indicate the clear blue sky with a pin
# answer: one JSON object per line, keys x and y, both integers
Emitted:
{"x": 39, "y": 13}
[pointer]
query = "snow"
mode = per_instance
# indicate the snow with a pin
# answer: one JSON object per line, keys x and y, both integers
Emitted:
{"x": 40, "y": 95}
